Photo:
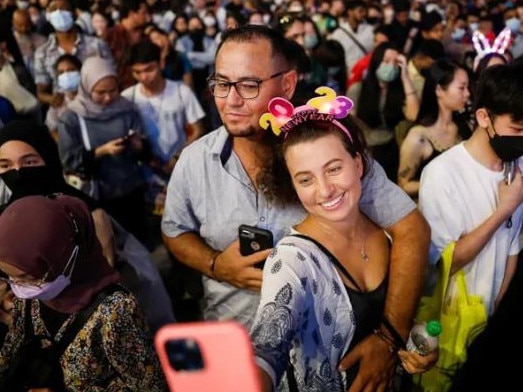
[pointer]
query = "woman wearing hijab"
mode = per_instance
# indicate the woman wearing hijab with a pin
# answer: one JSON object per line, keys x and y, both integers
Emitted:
{"x": 30, "y": 165}
{"x": 113, "y": 148}
{"x": 56, "y": 268}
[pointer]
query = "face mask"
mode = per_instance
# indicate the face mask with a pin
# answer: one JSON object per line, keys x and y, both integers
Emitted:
{"x": 513, "y": 24}
{"x": 507, "y": 148}
{"x": 310, "y": 41}
{"x": 115, "y": 16}
{"x": 61, "y": 20}
{"x": 473, "y": 26}
{"x": 415, "y": 16}
{"x": 69, "y": 81}
{"x": 35, "y": 19}
{"x": 26, "y": 181}
{"x": 48, "y": 290}
{"x": 387, "y": 73}
{"x": 373, "y": 20}
{"x": 458, "y": 34}
{"x": 23, "y": 5}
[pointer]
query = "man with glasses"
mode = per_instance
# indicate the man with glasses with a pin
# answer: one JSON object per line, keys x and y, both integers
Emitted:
{"x": 215, "y": 188}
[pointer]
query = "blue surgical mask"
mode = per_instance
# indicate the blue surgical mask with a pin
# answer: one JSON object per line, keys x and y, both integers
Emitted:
{"x": 473, "y": 26}
{"x": 61, "y": 20}
{"x": 48, "y": 290}
{"x": 69, "y": 81}
{"x": 310, "y": 41}
{"x": 458, "y": 34}
{"x": 387, "y": 73}
{"x": 513, "y": 24}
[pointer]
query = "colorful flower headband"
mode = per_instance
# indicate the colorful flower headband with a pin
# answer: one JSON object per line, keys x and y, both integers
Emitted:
{"x": 483, "y": 48}
{"x": 283, "y": 116}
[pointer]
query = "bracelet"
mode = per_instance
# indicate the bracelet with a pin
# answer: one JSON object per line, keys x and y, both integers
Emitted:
{"x": 392, "y": 347}
{"x": 396, "y": 337}
{"x": 212, "y": 263}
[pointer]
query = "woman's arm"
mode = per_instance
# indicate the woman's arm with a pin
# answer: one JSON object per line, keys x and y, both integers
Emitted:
{"x": 410, "y": 160}
{"x": 412, "y": 101}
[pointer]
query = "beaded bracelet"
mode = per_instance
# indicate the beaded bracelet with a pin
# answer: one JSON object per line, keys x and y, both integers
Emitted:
{"x": 392, "y": 346}
{"x": 396, "y": 337}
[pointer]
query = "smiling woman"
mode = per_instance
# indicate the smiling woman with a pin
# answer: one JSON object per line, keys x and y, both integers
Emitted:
{"x": 327, "y": 280}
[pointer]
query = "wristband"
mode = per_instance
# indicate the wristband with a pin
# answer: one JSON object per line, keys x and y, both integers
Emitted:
{"x": 392, "y": 346}
{"x": 396, "y": 337}
{"x": 212, "y": 263}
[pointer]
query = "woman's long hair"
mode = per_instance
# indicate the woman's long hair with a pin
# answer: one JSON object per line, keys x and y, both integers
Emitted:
{"x": 369, "y": 99}
{"x": 441, "y": 74}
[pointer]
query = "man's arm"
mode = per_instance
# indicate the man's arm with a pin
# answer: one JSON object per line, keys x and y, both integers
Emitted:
{"x": 408, "y": 266}
{"x": 190, "y": 249}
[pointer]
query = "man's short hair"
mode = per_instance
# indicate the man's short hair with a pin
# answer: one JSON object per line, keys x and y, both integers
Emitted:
{"x": 353, "y": 4}
{"x": 143, "y": 52}
{"x": 500, "y": 91}
{"x": 431, "y": 48}
{"x": 429, "y": 20}
{"x": 127, "y": 6}
{"x": 281, "y": 46}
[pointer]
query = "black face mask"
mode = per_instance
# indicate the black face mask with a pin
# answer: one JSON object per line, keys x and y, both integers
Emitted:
{"x": 374, "y": 20}
{"x": 26, "y": 181}
{"x": 507, "y": 148}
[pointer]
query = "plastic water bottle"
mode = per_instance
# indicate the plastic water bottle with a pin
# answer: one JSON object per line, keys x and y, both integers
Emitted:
{"x": 423, "y": 337}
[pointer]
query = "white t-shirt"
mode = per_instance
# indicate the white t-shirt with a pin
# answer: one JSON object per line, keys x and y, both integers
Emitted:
{"x": 457, "y": 194}
{"x": 166, "y": 115}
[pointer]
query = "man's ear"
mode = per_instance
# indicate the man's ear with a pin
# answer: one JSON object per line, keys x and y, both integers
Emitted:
{"x": 290, "y": 80}
{"x": 482, "y": 118}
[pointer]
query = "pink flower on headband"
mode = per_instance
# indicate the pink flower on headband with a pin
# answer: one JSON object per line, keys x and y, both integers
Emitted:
{"x": 283, "y": 116}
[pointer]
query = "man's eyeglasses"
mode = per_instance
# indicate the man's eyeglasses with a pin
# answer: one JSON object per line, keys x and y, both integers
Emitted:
{"x": 247, "y": 89}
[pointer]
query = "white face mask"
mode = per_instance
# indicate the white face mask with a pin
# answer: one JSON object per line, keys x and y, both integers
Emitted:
{"x": 61, "y": 20}
{"x": 23, "y": 5}
{"x": 48, "y": 290}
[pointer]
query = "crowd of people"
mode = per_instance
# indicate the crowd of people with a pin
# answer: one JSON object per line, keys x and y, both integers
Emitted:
{"x": 367, "y": 136}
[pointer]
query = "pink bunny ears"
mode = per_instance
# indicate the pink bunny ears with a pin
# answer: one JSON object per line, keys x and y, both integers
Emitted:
{"x": 283, "y": 116}
{"x": 483, "y": 48}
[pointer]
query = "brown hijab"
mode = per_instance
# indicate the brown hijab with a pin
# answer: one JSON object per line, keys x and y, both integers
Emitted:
{"x": 93, "y": 70}
{"x": 37, "y": 235}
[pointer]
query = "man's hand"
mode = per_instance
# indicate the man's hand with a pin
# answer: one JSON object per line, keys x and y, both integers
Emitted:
{"x": 376, "y": 365}
{"x": 231, "y": 267}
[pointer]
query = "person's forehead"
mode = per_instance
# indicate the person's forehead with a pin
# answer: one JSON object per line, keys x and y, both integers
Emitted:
{"x": 245, "y": 59}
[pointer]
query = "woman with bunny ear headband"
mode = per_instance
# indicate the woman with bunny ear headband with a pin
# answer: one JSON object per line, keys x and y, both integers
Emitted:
{"x": 325, "y": 281}
{"x": 483, "y": 47}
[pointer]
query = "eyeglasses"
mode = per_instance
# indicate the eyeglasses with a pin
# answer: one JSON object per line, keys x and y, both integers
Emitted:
{"x": 25, "y": 282}
{"x": 247, "y": 89}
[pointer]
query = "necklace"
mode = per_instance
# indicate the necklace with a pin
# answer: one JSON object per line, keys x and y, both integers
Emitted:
{"x": 363, "y": 254}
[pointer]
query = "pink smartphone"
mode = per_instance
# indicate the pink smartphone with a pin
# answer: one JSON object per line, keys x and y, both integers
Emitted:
{"x": 207, "y": 356}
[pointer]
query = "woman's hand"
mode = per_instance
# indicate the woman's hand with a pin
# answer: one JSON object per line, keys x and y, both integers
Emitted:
{"x": 6, "y": 304}
{"x": 414, "y": 363}
{"x": 112, "y": 147}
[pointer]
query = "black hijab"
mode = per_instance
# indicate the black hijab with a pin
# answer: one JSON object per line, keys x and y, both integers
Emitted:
{"x": 37, "y": 180}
